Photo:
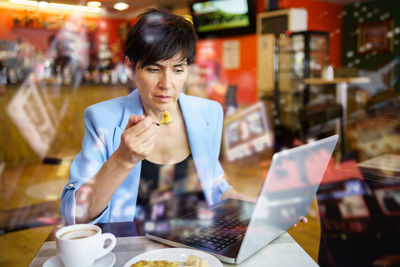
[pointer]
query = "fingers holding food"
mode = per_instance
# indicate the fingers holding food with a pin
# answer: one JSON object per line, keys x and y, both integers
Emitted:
{"x": 137, "y": 141}
{"x": 134, "y": 119}
{"x": 140, "y": 126}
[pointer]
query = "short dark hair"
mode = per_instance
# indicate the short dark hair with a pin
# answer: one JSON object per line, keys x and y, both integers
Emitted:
{"x": 160, "y": 35}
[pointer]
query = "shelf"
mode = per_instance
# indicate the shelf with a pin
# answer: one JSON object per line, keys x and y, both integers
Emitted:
{"x": 322, "y": 51}
{"x": 337, "y": 80}
{"x": 24, "y": 28}
{"x": 43, "y": 29}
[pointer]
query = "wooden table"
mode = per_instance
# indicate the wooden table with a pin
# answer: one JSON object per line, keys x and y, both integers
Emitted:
{"x": 283, "y": 251}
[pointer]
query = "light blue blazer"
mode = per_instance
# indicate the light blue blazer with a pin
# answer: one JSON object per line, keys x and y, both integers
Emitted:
{"x": 104, "y": 124}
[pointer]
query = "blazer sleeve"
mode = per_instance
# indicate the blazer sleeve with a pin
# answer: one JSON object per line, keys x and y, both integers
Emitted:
{"x": 220, "y": 185}
{"x": 85, "y": 165}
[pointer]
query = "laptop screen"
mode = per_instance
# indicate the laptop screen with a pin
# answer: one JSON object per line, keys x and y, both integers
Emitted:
{"x": 288, "y": 191}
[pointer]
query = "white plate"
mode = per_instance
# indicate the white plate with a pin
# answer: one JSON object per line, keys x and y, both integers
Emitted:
{"x": 174, "y": 254}
{"x": 107, "y": 260}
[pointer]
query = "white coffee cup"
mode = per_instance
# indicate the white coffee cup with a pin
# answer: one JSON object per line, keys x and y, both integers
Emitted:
{"x": 81, "y": 244}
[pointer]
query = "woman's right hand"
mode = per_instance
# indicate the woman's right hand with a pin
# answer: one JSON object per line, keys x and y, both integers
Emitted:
{"x": 137, "y": 140}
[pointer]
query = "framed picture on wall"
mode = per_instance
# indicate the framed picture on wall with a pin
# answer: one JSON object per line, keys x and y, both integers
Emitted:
{"x": 375, "y": 37}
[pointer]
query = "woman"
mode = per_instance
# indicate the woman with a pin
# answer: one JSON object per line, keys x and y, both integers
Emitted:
{"x": 121, "y": 133}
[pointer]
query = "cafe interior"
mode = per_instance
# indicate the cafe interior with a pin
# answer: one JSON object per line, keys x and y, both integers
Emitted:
{"x": 286, "y": 73}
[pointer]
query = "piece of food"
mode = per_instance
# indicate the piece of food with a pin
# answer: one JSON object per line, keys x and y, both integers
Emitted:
{"x": 155, "y": 264}
{"x": 166, "y": 119}
{"x": 195, "y": 261}
{"x": 192, "y": 261}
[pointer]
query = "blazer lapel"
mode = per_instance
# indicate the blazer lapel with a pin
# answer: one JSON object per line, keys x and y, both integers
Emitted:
{"x": 133, "y": 105}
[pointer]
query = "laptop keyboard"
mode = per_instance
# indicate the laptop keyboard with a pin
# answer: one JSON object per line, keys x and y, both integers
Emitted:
{"x": 222, "y": 233}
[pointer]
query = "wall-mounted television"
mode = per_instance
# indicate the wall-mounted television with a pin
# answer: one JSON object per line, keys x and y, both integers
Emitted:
{"x": 223, "y": 18}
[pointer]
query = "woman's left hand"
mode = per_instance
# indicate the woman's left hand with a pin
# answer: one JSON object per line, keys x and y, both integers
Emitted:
{"x": 303, "y": 220}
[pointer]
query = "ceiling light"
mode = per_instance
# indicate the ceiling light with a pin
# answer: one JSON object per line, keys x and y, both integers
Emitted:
{"x": 93, "y": 4}
{"x": 120, "y": 6}
{"x": 75, "y": 8}
{"x": 43, "y": 4}
{"x": 63, "y": 7}
{"x": 24, "y": 2}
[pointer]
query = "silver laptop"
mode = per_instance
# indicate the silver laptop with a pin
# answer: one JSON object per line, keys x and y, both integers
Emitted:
{"x": 233, "y": 230}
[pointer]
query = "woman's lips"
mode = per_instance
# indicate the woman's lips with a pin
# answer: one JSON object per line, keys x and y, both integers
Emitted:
{"x": 163, "y": 98}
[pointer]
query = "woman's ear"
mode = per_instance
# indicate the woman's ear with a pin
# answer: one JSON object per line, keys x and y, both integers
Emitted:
{"x": 128, "y": 65}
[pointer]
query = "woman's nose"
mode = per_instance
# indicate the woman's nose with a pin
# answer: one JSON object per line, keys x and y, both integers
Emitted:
{"x": 166, "y": 80}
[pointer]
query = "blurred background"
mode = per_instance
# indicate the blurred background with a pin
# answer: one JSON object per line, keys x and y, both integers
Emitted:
{"x": 285, "y": 71}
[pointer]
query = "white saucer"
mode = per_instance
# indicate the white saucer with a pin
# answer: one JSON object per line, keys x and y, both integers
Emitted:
{"x": 105, "y": 261}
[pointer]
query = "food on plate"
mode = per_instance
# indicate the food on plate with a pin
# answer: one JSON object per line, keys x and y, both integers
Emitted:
{"x": 192, "y": 261}
{"x": 195, "y": 261}
{"x": 166, "y": 119}
{"x": 155, "y": 264}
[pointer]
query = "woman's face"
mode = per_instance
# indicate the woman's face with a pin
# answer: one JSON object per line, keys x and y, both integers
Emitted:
{"x": 161, "y": 83}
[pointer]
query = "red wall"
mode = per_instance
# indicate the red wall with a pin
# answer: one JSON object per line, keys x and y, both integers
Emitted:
{"x": 210, "y": 50}
{"x": 322, "y": 16}
{"x": 38, "y": 37}
{"x": 110, "y": 28}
